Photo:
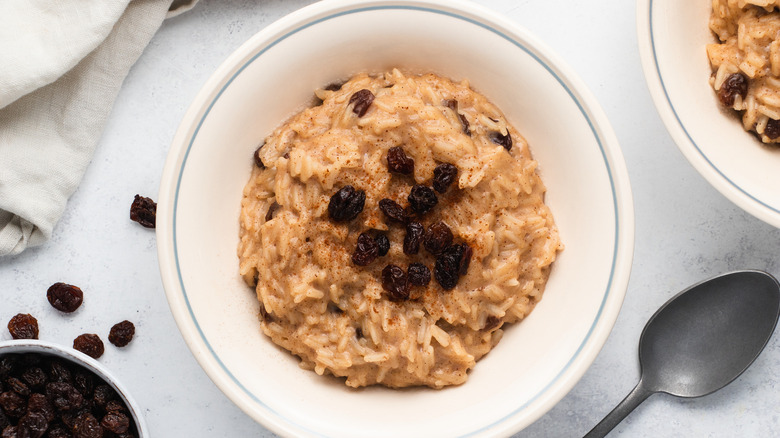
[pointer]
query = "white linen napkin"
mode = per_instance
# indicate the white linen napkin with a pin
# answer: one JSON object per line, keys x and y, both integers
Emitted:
{"x": 61, "y": 66}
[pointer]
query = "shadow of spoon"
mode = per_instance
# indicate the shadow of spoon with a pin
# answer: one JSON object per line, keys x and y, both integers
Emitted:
{"x": 702, "y": 339}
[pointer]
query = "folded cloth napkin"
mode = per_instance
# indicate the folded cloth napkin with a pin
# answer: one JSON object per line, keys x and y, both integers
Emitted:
{"x": 61, "y": 66}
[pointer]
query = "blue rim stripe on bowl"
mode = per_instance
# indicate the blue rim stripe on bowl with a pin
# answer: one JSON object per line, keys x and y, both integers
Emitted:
{"x": 508, "y": 38}
{"x": 682, "y": 125}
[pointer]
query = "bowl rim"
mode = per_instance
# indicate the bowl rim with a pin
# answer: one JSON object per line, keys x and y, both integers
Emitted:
{"x": 23, "y": 346}
{"x": 678, "y": 130}
{"x": 622, "y": 254}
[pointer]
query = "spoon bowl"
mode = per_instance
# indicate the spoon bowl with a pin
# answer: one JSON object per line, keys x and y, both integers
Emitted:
{"x": 702, "y": 339}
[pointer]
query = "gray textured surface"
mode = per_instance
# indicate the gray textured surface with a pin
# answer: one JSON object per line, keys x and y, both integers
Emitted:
{"x": 685, "y": 232}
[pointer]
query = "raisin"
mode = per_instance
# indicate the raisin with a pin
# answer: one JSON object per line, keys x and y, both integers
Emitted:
{"x": 84, "y": 383}
{"x": 271, "y": 210}
{"x": 335, "y": 86}
{"x": 502, "y": 140}
{"x": 7, "y": 365}
{"x": 18, "y": 386}
{"x": 735, "y": 85}
{"x": 462, "y": 253}
{"x": 367, "y": 250}
{"x": 63, "y": 396}
{"x": 115, "y": 406}
{"x": 4, "y": 420}
{"x": 13, "y": 404}
{"x": 414, "y": 235}
{"x": 772, "y": 129}
{"x": 443, "y": 175}
{"x": 23, "y": 326}
{"x": 103, "y": 394}
{"x": 144, "y": 211}
{"x": 35, "y": 423}
{"x": 121, "y": 333}
{"x": 346, "y": 204}
{"x": 35, "y": 377}
{"x": 38, "y": 403}
{"x": 383, "y": 242}
{"x": 437, "y": 238}
{"x": 422, "y": 199}
{"x": 59, "y": 431}
{"x": 15, "y": 432}
{"x": 399, "y": 162}
{"x": 358, "y": 332}
{"x": 362, "y": 100}
{"x": 492, "y": 322}
{"x": 258, "y": 161}
{"x": 393, "y": 211}
{"x": 453, "y": 105}
{"x": 87, "y": 426}
{"x": 419, "y": 274}
{"x": 445, "y": 270}
{"x": 59, "y": 373}
{"x": 115, "y": 422}
{"x": 395, "y": 283}
{"x": 89, "y": 344}
{"x": 65, "y": 297}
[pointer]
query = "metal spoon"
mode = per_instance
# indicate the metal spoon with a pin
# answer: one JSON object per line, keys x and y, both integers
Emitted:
{"x": 702, "y": 339}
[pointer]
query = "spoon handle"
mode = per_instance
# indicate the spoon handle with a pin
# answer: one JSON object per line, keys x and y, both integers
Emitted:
{"x": 632, "y": 400}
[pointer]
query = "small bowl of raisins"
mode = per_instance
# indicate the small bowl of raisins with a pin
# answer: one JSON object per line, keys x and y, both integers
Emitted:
{"x": 53, "y": 391}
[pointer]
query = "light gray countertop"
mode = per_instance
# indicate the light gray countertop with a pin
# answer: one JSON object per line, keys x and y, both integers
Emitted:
{"x": 685, "y": 232}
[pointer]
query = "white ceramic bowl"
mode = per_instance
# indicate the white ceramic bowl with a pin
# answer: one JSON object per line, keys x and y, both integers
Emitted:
{"x": 672, "y": 36}
{"x": 44, "y": 348}
{"x": 273, "y": 75}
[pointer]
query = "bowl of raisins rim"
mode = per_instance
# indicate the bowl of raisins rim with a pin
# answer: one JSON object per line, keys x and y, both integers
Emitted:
{"x": 30, "y": 353}
{"x": 673, "y": 36}
{"x": 274, "y": 75}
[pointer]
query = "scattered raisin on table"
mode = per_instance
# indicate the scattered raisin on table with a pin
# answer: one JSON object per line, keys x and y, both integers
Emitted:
{"x": 422, "y": 199}
{"x": 65, "y": 297}
{"x": 144, "y": 211}
{"x": 89, "y": 344}
{"x": 23, "y": 326}
{"x": 271, "y": 210}
{"x": 734, "y": 85}
{"x": 437, "y": 238}
{"x": 393, "y": 211}
{"x": 383, "y": 242}
{"x": 362, "y": 100}
{"x": 772, "y": 129}
{"x": 414, "y": 235}
{"x": 121, "y": 333}
{"x": 258, "y": 161}
{"x": 502, "y": 140}
{"x": 399, "y": 162}
{"x": 395, "y": 283}
{"x": 453, "y": 105}
{"x": 366, "y": 251}
{"x": 443, "y": 176}
{"x": 346, "y": 204}
{"x": 419, "y": 274}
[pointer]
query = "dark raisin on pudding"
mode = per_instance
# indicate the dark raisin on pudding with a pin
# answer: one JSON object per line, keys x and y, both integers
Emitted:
{"x": 419, "y": 274}
{"x": 393, "y": 211}
{"x": 502, "y": 140}
{"x": 453, "y": 105}
{"x": 437, "y": 238}
{"x": 422, "y": 199}
{"x": 23, "y": 326}
{"x": 414, "y": 235}
{"x": 395, "y": 283}
{"x": 256, "y": 156}
{"x": 366, "y": 251}
{"x": 772, "y": 129}
{"x": 443, "y": 176}
{"x": 65, "y": 297}
{"x": 399, "y": 162}
{"x": 361, "y": 100}
{"x": 346, "y": 204}
{"x": 452, "y": 264}
{"x": 144, "y": 211}
{"x": 383, "y": 242}
{"x": 735, "y": 85}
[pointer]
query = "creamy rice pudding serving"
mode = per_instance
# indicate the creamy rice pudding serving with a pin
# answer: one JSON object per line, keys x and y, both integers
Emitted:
{"x": 746, "y": 62}
{"x": 393, "y": 229}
